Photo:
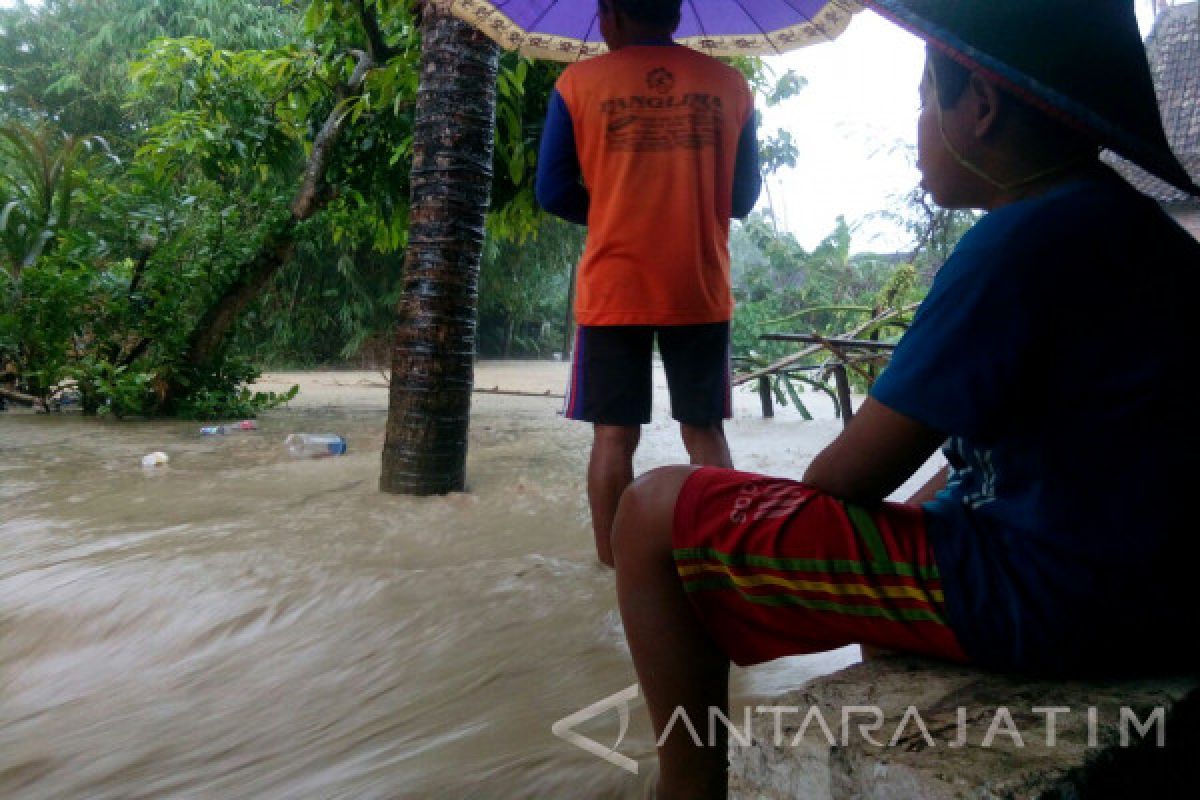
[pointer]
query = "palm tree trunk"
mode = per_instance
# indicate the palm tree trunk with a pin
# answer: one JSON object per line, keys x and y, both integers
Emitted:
{"x": 425, "y": 450}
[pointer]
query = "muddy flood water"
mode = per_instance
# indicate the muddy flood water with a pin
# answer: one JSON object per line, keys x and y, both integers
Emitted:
{"x": 239, "y": 624}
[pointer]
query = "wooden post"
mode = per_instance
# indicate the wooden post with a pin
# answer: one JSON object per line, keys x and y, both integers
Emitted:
{"x": 843, "y": 392}
{"x": 764, "y": 396}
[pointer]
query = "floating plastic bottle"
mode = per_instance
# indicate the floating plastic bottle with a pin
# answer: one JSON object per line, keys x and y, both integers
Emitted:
{"x": 315, "y": 445}
{"x": 233, "y": 427}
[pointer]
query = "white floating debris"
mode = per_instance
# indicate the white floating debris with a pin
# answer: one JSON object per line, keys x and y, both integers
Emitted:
{"x": 155, "y": 459}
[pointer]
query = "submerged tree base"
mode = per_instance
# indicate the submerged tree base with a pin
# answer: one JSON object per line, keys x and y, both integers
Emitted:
{"x": 432, "y": 364}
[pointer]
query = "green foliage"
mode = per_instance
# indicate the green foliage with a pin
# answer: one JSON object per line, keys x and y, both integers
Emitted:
{"x": 43, "y": 312}
{"x": 523, "y": 91}
{"x": 215, "y": 106}
{"x": 66, "y": 61}
{"x": 523, "y": 291}
{"x": 780, "y": 287}
{"x": 776, "y": 148}
{"x": 235, "y": 117}
{"x": 40, "y": 189}
{"x": 370, "y": 167}
{"x": 777, "y": 151}
{"x": 765, "y": 82}
{"x": 220, "y": 404}
{"x": 900, "y": 290}
{"x": 210, "y": 396}
{"x": 112, "y": 389}
{"x": 109, "y": 262}
{"x": 324, "y": 308}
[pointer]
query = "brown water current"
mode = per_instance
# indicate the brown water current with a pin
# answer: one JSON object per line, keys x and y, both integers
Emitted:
{"x": 242, "y": 625}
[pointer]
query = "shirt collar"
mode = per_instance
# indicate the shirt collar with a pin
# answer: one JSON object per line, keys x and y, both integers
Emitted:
{"x": 654, "y": 41}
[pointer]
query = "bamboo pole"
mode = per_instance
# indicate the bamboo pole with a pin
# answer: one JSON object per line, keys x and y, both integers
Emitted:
{"x": 516, "y": 392}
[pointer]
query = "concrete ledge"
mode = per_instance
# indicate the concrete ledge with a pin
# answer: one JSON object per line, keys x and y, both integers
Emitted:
{"x": 950, "y": 732}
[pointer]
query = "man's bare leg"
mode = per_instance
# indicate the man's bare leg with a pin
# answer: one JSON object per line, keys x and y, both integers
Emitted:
{"x": 678, "y": 665}
{"x": 610, "y": 470}
{"x": 706, "y": 445}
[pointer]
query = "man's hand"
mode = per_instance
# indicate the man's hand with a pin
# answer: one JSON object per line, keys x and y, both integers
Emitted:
{"x": 878, "y": 451}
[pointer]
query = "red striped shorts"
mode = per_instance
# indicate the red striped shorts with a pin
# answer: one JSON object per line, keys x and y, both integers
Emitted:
{"x": 775, "y": 568}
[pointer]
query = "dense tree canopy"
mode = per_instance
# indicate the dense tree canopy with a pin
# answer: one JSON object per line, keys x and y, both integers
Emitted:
{"x": 236, "y": 174}
{"x": 67, "y": 62}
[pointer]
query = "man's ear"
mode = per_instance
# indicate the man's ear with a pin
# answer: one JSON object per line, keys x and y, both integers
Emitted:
{"x": 986, "y": 102}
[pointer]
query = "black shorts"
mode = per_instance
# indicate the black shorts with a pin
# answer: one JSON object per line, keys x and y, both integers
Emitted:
{"x": 611, "y": 373}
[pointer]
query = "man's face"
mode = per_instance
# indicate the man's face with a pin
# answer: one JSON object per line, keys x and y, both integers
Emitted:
{"x": 947, "y": 181}
{"x": 928, "y": 139}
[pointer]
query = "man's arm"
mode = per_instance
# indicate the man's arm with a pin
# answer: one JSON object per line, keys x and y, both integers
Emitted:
{"x": 878, "y": 451}
{"x": 559, "y": 189}
{"x": 747, "y": 177}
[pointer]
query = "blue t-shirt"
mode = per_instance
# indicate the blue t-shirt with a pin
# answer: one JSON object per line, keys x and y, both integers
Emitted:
{"x": 1049, "y": 351}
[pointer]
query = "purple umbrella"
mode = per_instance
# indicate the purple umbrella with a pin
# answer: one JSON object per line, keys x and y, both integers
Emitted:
{"x": 566, "y": 30}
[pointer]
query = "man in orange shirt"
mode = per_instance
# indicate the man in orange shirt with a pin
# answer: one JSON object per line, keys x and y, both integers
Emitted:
{"x": 653, "y": 147}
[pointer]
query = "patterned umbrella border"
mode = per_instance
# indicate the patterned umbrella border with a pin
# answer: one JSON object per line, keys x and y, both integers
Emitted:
{"x": 832, "y": 20}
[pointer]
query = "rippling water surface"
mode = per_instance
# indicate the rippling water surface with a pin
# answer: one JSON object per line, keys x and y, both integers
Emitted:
{"x": 240, "y": 624}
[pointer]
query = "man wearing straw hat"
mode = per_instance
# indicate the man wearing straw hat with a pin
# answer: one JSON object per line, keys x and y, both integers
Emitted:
{"x": 1053, "y": 542}
{"x": 653, "y": 147}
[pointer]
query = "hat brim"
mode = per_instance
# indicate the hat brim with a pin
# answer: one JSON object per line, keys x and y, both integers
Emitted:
{"x": 1147, "y": 146}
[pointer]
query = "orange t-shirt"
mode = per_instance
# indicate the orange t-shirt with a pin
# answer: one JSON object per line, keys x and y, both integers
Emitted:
{"x": 656, "y": 131}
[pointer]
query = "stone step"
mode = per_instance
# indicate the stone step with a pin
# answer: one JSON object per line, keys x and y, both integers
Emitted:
{"x": 936, "y": 731}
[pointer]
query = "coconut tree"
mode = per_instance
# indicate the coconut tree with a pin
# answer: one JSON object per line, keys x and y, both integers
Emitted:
{"x": 432, "y": 362}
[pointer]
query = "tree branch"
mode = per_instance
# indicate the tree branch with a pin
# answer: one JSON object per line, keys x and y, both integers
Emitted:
{"x": 139, "y": 268}
{"x": 210, "y": 331}
{"x": 137, "y": 352}
{"x": 377, "y": 46}
{"x": 308, "y": 197}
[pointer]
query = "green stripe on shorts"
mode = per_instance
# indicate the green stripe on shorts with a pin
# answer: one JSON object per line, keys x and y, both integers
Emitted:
{"x": 864, "y": 525}
{"x": 892, "y": 614}
{"x": 831, "y": 567}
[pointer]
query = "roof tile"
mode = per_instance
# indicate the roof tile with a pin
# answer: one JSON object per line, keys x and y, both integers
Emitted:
{"x": 1173, "y": 49}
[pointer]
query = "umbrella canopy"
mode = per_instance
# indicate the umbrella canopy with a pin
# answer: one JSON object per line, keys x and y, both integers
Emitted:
{"x": 566, "y": 30}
